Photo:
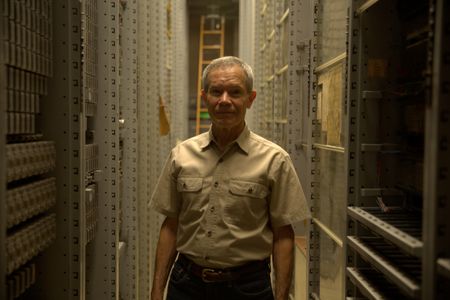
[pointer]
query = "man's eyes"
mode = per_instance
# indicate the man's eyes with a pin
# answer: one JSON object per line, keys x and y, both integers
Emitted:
{"x": 233, "y": 93}
{"x": 215, "y": 92}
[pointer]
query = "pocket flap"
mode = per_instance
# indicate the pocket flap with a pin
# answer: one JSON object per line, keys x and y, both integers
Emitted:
{"x": 249, "y": 189}
{"x": 189, "y": 184}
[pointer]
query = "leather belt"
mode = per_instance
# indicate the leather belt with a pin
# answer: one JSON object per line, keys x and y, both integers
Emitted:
{"x": 227, "y": 274}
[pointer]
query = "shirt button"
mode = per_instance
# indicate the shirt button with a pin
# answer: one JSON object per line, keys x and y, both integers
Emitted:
{"x": 216, "y": 184}
{"x": 212, "y": 209}
{"x": 209, "y": 233}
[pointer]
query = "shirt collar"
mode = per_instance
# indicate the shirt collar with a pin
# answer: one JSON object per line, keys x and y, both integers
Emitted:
{"x": 243, "y": 140}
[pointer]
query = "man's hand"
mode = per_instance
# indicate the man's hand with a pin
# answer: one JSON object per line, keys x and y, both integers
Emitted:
{"x": 165, "y": 256}
{"x": 283, "y": 260}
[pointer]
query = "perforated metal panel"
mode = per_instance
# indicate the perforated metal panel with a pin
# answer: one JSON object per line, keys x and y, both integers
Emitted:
{"x": 162, "y": 89}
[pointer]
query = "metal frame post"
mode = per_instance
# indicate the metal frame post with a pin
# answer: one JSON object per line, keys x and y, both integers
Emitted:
{"x": 64, "y": 279}
{"x": 436, "y": 226}
{"x": 103, "y": 251}
{"x": 129, "y": 231}
{"x": 3, "y": 97}
{"x": 144, "y": 118}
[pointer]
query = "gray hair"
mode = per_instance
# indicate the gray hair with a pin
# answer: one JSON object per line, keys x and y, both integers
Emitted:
{"x": 228, "y": 61}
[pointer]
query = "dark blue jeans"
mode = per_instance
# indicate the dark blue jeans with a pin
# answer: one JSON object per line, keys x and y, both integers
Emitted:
{"x": 186, "y": 286}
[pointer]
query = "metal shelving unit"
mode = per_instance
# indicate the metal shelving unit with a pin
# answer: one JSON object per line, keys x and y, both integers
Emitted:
{"x": 391, "y": 207}
{"x": 80, "y": 122}
{"x": 300, "y": 66}
{"x": 28, "y": 153}
{"x": 355, "y": 106}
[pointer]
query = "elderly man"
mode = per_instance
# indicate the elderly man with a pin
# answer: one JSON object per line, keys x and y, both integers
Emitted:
{"x": 229, "y": 197}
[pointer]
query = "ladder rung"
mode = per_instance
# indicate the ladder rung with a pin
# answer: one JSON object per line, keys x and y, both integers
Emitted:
{"x": 212, "y": 46}
{"x": 212, "y": 32}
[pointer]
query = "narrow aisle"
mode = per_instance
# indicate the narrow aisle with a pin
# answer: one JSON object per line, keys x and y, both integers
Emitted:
{"x": 94, "y": 94}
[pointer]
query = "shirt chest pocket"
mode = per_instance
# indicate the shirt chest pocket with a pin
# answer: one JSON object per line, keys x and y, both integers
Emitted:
{"x": 189, "y": 184}
{"x": 248, "y": 189}
{"x": 190, "y": 189}
{"x": 246, "y": 203}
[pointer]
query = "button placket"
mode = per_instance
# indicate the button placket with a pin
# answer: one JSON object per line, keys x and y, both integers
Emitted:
{"x": 211, "y": 217}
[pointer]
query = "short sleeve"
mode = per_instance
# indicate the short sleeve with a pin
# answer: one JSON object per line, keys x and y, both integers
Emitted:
{"x": 287, "y": 201}
{"x": 165, "y": 198}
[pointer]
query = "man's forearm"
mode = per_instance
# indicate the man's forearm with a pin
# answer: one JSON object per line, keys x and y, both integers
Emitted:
{"x": 283, "y": 260}
{"x": 165, "y": 256}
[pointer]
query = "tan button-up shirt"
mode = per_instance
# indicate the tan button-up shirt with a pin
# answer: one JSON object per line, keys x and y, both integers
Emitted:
{"x": 227, "y": 202}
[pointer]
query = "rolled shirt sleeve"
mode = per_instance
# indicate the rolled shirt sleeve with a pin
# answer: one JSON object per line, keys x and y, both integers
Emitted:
{"x": 166, "y": 199}
{"x": 287, "y": 200}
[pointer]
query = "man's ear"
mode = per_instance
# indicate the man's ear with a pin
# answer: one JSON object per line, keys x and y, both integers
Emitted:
{"x": 203, "y": 95}
{"x": 251, "y": 99}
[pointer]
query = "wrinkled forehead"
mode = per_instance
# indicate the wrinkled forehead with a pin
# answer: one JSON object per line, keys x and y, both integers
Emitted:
{"x": 227, "y": 74}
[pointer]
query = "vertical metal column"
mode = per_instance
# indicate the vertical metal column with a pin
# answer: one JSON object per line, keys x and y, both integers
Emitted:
{"x": 182, "y": 51}
{"x": 247, "y": 28}
{"x": 436, "y": 226}
{"x": 129, "y": 231}
{"x": 268, "y": 14}
{"x": 313, "y": 251}
{"x": 257, "y": 70}
{"x": 160, "y": 150}
{"x": 278, "y": 73}
{"x": 179, "y": 107}
{"x": 3, "y": 97}
{"x": 63, "y": 280}
{"x": 89, "y": 165}
{"x": 299, "y": 127}
{"x": 144, "y": 117}
{"x": 103, "y": 251}
{"x": 352, "y": 156}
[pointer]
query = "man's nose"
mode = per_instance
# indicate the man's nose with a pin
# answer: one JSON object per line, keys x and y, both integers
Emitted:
{"x": 224, "y": 98}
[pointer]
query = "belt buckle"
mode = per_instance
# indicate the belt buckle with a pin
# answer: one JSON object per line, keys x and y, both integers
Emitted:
{"x": 207, "y": 271}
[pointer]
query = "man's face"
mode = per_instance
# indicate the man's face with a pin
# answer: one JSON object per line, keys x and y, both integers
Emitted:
{"x": 227, "y": 98}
